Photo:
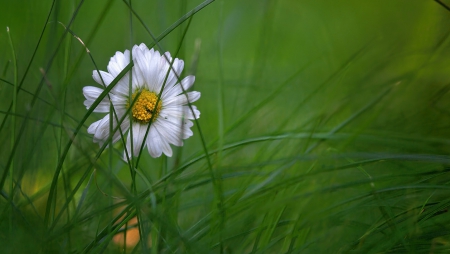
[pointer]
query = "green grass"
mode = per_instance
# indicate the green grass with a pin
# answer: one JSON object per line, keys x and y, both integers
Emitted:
{"x": 324, "y": 128}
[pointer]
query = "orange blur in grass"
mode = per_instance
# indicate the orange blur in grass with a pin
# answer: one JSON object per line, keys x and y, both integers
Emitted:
{"x": 132, "y": 235}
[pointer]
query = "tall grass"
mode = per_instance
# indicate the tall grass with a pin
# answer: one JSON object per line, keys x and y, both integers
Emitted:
{"x": 324, "y": 129}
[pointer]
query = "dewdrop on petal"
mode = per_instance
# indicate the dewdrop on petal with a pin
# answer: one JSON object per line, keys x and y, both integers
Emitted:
{"x": 170, "y": 117}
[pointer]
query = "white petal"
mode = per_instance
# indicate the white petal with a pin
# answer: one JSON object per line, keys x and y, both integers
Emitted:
{"x": 152, "y": 73}
{"x": 143, "y": 47}
{"x": 143, "y": 65}
{"x": 93, "y": 127}
{"x": 182, "y": 99}
{"x": 166, "y": 149}
{"x": 107, "y": 78}
{"x": 122, "y": 87}
{"x": 164, "y": 71}
{"x": 180, "y": 127}
{"x": 175, "y": 72}
{"x": 102, "y": 130}
{"x": 139, "y": 59}
{"x": 187, "y": 82}
{"x": 118, "y": 62}
{"x": 187, "y": 132}
{"x": 154, "y": 143}
{"x": 175, "y": 90}
{"x": 101, "y": 108}
{"x": 127, "y": 152}
{"x": 170, "y": 131}
{"x": 138, "y": 137}
{"x": 91, "y": 92}
{"x": 123, "y": 127}
{"x": 180, "y": 112}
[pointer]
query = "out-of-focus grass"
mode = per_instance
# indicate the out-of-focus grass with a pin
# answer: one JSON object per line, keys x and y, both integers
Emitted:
{"x": 326, "y": 123}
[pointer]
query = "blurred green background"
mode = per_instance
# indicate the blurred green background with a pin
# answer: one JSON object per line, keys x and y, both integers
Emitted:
{"x": 326, "y": 124}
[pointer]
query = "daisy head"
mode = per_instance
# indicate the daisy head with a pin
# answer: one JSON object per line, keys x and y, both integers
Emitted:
{"x": 152, "y": 100}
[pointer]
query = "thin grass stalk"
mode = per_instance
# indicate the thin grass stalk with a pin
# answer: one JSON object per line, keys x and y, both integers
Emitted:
{"x": 13, "y": 123}
{"x": 29, "y": 64}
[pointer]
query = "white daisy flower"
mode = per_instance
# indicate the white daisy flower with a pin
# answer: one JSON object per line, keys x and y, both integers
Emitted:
{"x": 171, "y": 117}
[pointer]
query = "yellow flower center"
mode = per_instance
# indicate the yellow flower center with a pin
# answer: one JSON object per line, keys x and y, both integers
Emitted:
{"x": 145, "y": 106}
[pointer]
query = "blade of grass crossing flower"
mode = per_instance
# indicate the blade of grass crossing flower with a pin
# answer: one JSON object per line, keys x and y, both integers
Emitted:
{"x": 142, "y": 232}
{"x": 164, "y": 82}
{"x": 157, "y": 101}
{"x": 152, "y": 118}
{"x": 178, "y": 78}
{"x": 119, "y": 122}
{"x": 190, "y": 14}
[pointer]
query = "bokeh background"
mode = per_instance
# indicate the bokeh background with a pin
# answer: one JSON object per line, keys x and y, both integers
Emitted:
{"x": 325, "y": 127}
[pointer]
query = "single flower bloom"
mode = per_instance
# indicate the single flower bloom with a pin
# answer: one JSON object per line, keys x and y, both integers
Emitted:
{"x": 169, "y": 118}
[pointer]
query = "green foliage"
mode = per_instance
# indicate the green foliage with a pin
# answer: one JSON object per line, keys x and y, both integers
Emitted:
{"x": 324, "y": 128}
